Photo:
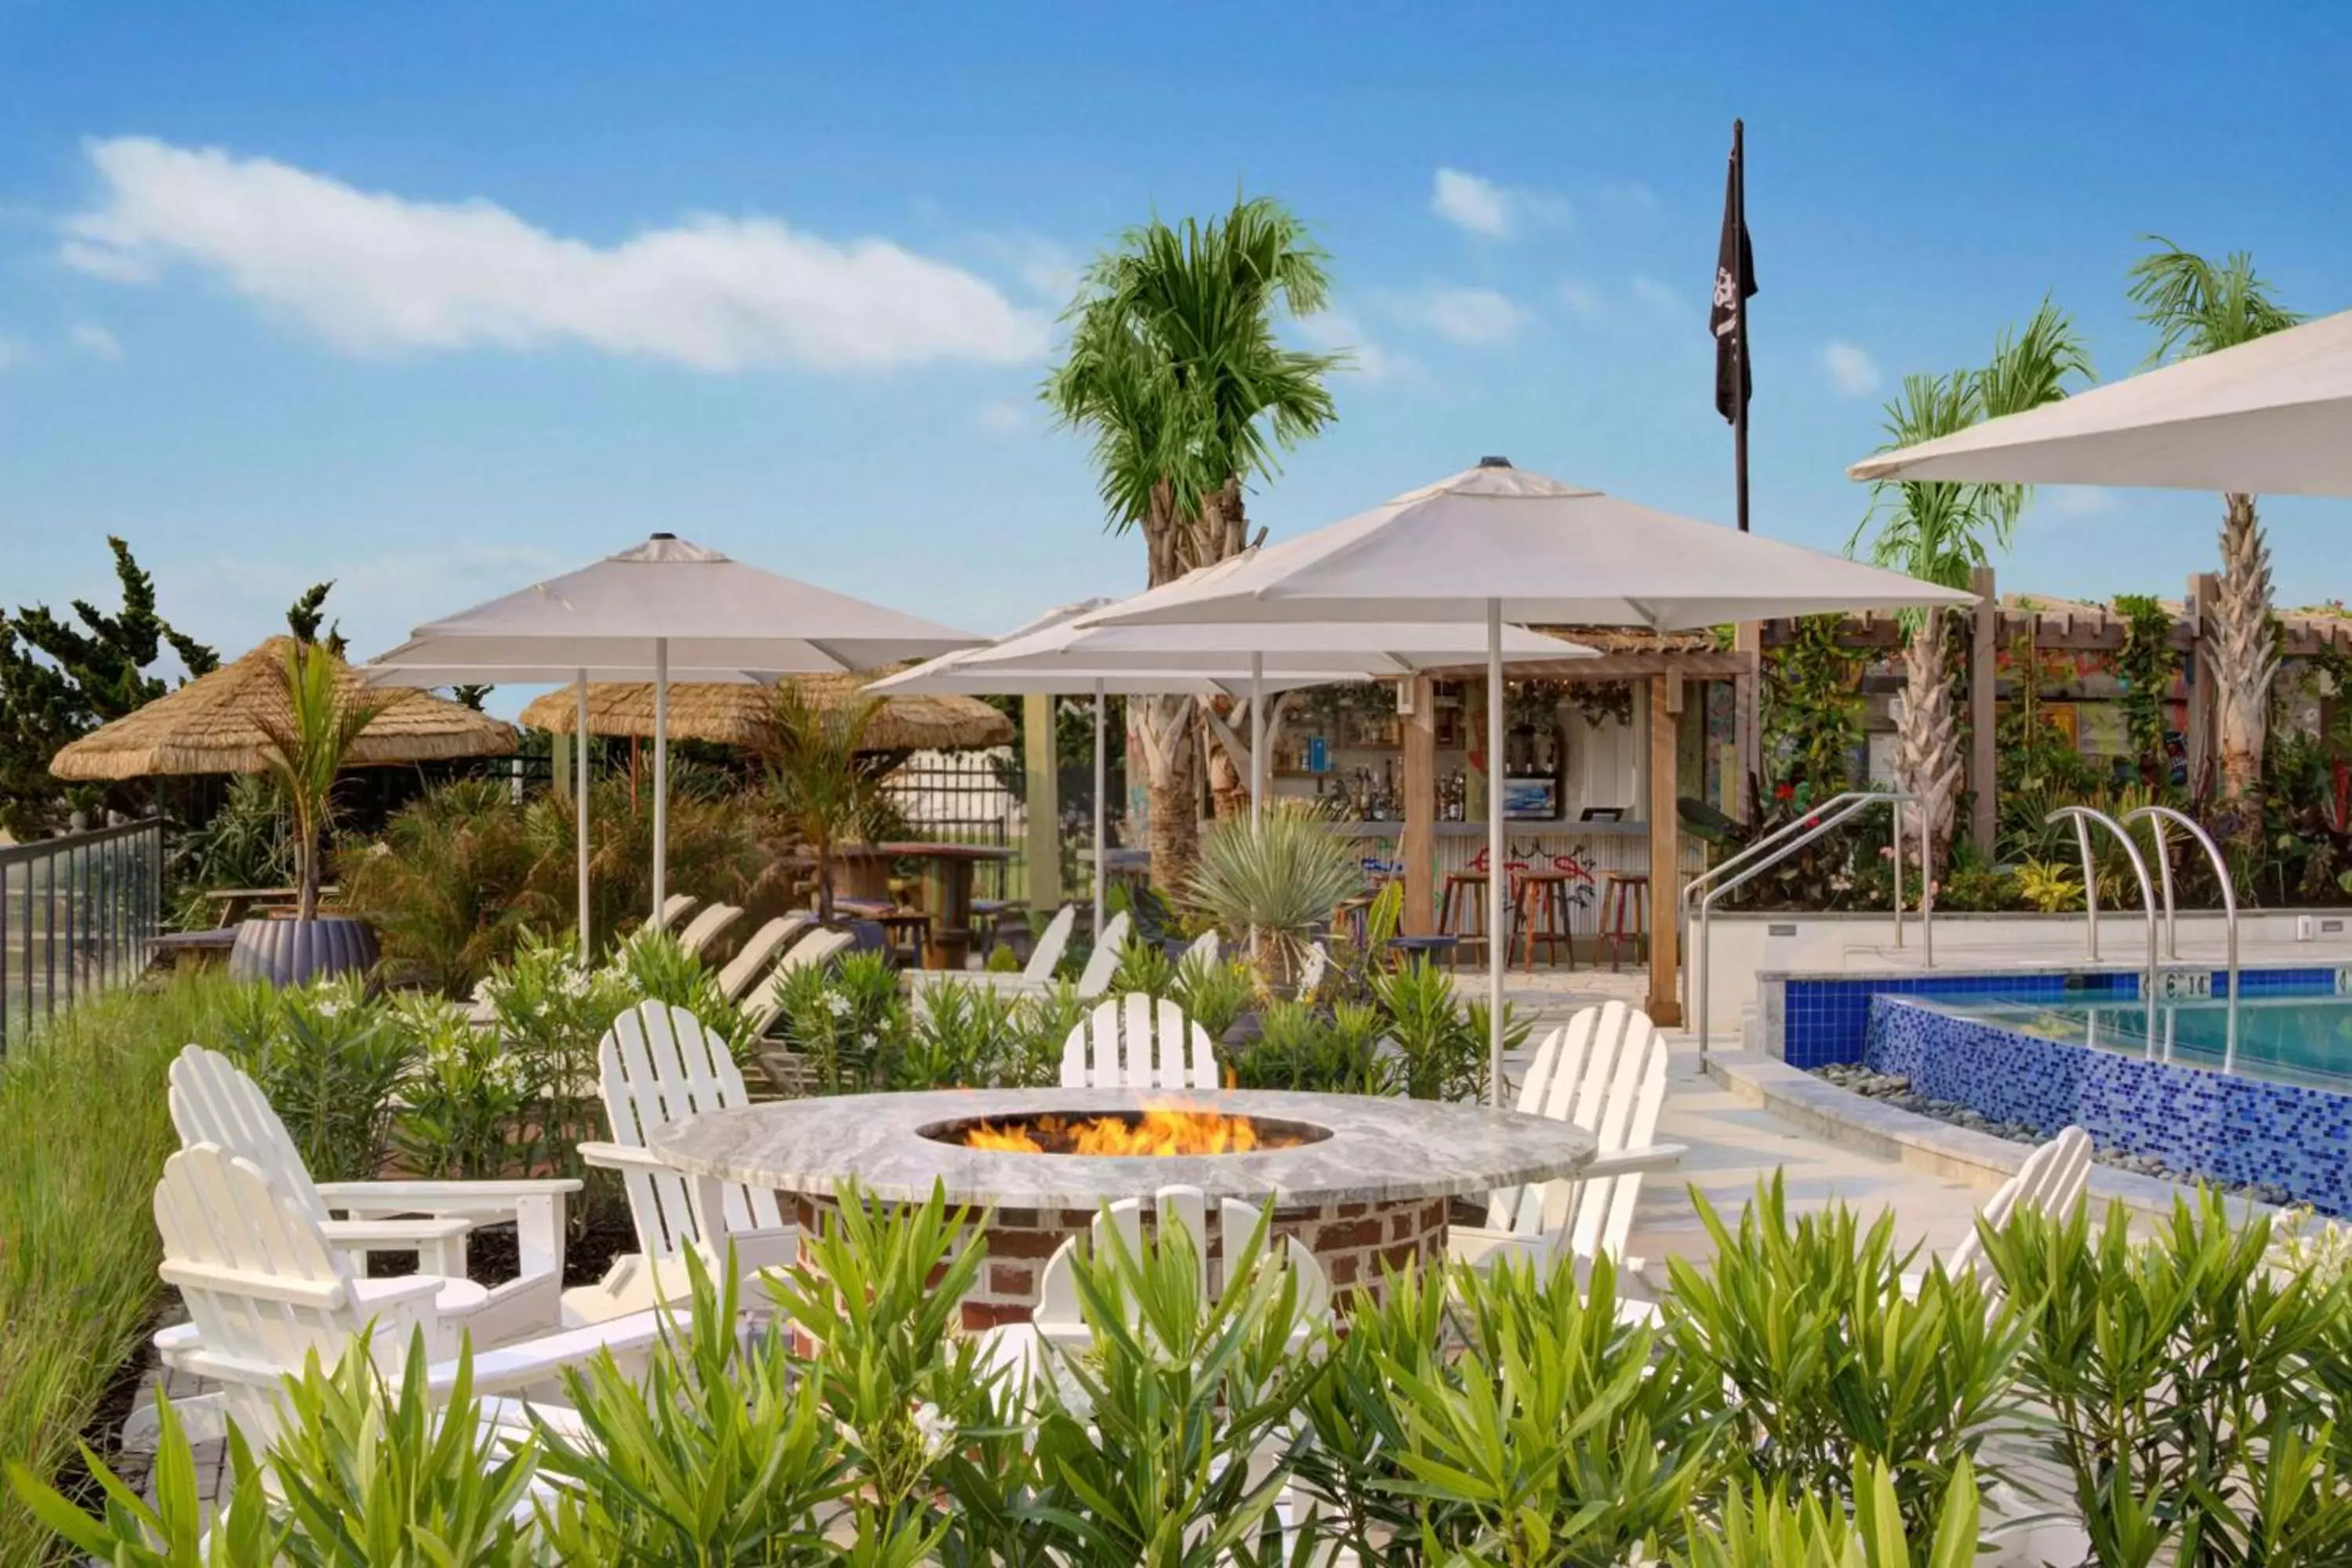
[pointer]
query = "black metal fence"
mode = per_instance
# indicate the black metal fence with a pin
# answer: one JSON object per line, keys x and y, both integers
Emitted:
{"x": 966, "y": 797}
{"x": 77, "y": 915}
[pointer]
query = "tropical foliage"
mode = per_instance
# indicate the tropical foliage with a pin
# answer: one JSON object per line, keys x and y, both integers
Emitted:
{"x": 826, "y": 790}
{"x": 310, "y": 731}
{"x": 1272, "y": 879}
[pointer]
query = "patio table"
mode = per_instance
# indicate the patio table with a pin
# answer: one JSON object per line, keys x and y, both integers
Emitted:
{"x": 864, "y": 871}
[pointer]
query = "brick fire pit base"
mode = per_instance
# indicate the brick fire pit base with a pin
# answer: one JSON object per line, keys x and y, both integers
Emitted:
{"x": 1353, "y": 1241}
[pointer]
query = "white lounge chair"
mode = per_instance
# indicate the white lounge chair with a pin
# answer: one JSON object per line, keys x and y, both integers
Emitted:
{"x": 2052, "y": 1180}
{"x": 655, "y": 1066}
{"x": 707, "y": 928}
{"x": 213, "y": 1101}
{"x": 1037, "y": 975}
{"x": 762, "y": 1007}
{"x": 675, "y": 908}
{"x": 266, "y": 1288}
{"x": 759, "y": 952}
{"x": 1059, "y": 1318}
{"x": 1605, "y": 1071}
{"x": 1130, "y": 1042}
{"x": 1102, "y": 963}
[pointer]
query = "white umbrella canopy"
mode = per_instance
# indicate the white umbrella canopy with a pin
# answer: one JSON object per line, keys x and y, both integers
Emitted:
{"x": 2271, "y": 416}
{"x": 1494, "y": 544}
{"x": 664, "y": 608}
{"x": 1540, "y": 551}
{"x": 1059, "y": 653}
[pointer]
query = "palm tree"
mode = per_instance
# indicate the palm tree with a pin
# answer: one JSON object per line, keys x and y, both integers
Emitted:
{"x": 1174, "y": 367}
{"x": 2195, "y": 308}
{"x": 1941, "y": 531}
{"x": 309, "y": 733}
{"x": 824, "y": 789}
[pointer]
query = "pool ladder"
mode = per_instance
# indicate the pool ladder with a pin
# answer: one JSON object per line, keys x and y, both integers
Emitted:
{"x": 1771, "y": 850}
{"x": 2155, "y": 816}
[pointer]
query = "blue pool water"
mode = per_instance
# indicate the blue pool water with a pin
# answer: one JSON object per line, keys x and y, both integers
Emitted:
{"x": 2286, "y": 1039}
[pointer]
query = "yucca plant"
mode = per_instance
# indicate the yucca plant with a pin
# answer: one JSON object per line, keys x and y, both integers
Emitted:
{"x": 1274, "y": 878}
{"x": 309, "y": 732}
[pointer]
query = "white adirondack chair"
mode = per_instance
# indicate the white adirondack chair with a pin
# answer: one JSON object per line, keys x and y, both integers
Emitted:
{"x": 763, "y": 1005}
{"x": 655, "y": 1066}
{"x": 759, "y": 952}
{"x": 213, "y": 1101}
{"x": 1130, "y": 1042}
{"x": 707, "y": 927}
{"x": 1605, "y": 1071}
{"x": 1037, "y": 975}
{"x": 266, "y": 1288}
{"x": 2052, "y": 1180}
{"x": 1312, "y": 971}
{"x": 1059, "y": 1318}
{"x": 1103, "y": 962}
{"x": 1207, "y": 949}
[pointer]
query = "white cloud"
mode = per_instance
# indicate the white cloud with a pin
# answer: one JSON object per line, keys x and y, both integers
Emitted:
{"x": 1475, "y": 205}
{"x": 94, "y": 341}
{"x": 1851, "y": 369}
{"x": 1467, "y": 315}
{"x": 1664, "y": 297}
{"x": 1002, "y": 416}
{"x": 1581, "y": 297}
{"x": 374, "y": 273}
{"x": 1046, "y": 267}
{"x": 2078, "y": 500}
{"x": 1337, "y": 332}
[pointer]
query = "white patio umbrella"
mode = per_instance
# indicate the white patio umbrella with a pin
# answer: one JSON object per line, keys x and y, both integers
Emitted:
{"x": 2269, "y": 417}
{"x": 666, "y": 607}
{"x": 1060, "y": 653}
{"x": 1495, "y": 545}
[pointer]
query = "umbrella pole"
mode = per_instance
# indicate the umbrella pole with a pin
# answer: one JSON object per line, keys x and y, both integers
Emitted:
{"x": 661, "y": 777}
{"x": 1257, "y": 734}
{"x": 1102, "y": 845}
{"x": 579, "y": 802}
{"x": 1498, "y": 948}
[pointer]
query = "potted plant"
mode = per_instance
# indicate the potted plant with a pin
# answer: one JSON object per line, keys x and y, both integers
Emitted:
{"x": 311, "y": 729}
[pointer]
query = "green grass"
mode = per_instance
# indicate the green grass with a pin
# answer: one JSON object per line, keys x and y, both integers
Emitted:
{"x": 84, "y": 1131}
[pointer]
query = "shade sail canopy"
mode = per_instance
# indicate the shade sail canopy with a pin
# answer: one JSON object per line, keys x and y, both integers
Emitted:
{"x": 716, "y": 614}
{"x": 1064, "y": 651}
{"x": 2272, "y": 416}
{"x": 740, "y": 715}
{"x": 1545, "y": 552}
{"x": 213, "y": 725}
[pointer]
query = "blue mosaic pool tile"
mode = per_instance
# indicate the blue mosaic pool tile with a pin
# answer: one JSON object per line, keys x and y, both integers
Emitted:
{"x": 1824, "y": 1021}
{"x": 2216, "y": 1125}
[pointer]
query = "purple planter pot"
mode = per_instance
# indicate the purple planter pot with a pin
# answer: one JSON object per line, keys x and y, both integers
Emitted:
{"x": 288, "y": 953}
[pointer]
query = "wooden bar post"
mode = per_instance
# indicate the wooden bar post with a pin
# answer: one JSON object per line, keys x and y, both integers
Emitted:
{"x": 1747, "y": 717}
{"x": 1984, "y": 675}
{"x": 1417, "y": 845}
{"x": 2197, "y": 605}
{"x": 1044, "y": 844}
{"x": 1666, "y": 846}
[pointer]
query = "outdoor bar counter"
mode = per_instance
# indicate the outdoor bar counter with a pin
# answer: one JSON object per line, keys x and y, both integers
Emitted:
{"x": 1587, "y": 851}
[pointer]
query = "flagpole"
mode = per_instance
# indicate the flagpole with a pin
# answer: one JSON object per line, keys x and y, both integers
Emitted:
{"x": 1739, "y": 328}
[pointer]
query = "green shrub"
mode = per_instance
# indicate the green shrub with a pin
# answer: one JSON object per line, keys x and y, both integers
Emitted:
{"x": 465, "y": 1100}
{"x": 1760, "y": 1528}
{"x": 1831, "y": 1365}
{"x": 1214, "y": 996}
{"x": 329, "y": 1060}
{"x": 1300, "y": 1049}
{"x": 1442, "y": 1048}
{"x": 84, "y": 1099}
{"x": 849, "y": 1020}
{"x": 1143, "y": 970}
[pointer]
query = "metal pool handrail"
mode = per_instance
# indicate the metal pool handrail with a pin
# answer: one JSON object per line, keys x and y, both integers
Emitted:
{"x": 2158, "y": 815}
{"x": 1835, "y": 813}
{"x": 2083, "y": 817}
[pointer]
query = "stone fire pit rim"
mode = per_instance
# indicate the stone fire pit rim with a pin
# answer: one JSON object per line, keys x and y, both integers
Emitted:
{"x": 1380, "y": 1150}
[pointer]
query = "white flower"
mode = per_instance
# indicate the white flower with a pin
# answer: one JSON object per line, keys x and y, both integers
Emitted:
{"x": 865, "y": 1040}
{"x": 836, "y": 1003}
{"x": 936, "y": 1428}
{"x": 329, "y": 1006}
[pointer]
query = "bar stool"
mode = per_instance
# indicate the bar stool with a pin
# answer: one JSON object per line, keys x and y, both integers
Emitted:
{"x": 1542, "y": 907}
{"x": 1462, "y": 912}
{"x": 1624, "y": 912}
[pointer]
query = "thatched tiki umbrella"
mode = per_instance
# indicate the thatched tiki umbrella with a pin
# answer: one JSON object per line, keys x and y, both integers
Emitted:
{"x": 296, "y": 712}
{"x": 216, "y": 724}
{"x": 741, "y": 715}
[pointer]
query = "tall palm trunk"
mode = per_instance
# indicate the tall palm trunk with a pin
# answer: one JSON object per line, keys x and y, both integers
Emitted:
{"x": 2245, "y": 658}
{"x": 1928, "y": 742}
{"x": 1165, "y": 728}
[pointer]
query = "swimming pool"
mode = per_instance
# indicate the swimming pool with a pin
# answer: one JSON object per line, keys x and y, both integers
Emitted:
{"x": 2286, "y": 1039}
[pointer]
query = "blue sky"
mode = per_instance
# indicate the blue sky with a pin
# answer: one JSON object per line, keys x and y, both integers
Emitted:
{"x": 435, "y": 300}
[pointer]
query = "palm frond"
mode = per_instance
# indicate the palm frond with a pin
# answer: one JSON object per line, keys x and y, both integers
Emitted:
{"x": 2198, "y": 308}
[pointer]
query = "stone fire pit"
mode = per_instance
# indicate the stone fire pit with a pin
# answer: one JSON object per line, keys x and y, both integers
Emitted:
{"x": 1363, "y": 1182}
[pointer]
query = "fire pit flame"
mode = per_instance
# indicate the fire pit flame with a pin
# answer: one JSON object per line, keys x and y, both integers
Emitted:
{"x": 1157, "y": 1130}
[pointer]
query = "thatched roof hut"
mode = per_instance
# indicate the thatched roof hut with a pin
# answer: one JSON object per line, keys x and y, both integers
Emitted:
{"x": 734, "y": 714}
{"x": 213, "y": 725}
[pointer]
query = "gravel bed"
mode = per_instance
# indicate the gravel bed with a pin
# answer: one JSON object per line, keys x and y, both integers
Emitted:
{"x": 1896, "y": 1090}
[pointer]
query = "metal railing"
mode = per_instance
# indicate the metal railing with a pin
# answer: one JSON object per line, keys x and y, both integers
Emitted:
{"x": 1770, "y": 851}
{"x": 2156, "y": 816}
{"x": 77, "y": 915}
{"x": 2083, "y": 817}
{"x": 961, "y": 797}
